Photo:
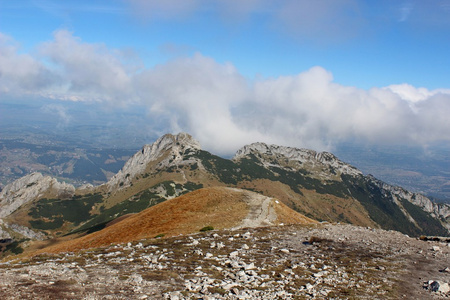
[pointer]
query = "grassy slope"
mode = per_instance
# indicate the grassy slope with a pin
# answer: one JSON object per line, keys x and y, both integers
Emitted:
{"x": 217, "y": 207}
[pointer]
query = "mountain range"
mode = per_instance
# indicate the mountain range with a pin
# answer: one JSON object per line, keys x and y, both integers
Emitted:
{"x": 166, "y": 181}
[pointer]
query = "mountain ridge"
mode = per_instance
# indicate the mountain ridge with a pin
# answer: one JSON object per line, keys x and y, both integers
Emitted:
{"x": 315, "y": 184}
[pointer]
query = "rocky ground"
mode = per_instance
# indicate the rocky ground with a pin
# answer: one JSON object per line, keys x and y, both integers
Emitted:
{"x": 320, "y": 261}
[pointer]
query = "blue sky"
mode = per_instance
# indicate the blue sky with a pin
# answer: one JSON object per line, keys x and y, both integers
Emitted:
{"x": 293, "y": 72}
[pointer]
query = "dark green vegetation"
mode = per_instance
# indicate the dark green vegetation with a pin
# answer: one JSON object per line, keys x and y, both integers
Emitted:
{"x": 48, "y": 214}
{"x": 137, "y": 203}
{"x": 14, "y": 247}
{"x": 383, "y": 210}
{"x": 207, "y": 228}
{"x": 379, "y": 204}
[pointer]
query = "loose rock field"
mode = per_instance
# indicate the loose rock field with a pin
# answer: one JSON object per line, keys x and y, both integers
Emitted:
{"x": 321, "y": 261}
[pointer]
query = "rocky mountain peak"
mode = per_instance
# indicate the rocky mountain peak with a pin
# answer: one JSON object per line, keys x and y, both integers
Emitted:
{"x": 168, "y": 149}
{"x": 29, "y": 188}
{"x": 281, "y": 156}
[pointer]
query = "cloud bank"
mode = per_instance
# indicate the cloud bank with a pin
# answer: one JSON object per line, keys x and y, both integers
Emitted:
{"x": 219, "y": 106}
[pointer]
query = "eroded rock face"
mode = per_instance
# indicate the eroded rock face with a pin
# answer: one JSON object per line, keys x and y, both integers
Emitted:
{"x": 29, "y": 188}
{"x": 167, "y": 150}
{"x": 26, "y": 232}
{"x": 326, "y": 163}
{"x": 435, "y": 209}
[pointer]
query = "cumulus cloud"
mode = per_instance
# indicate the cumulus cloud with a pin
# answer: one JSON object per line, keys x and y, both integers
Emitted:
{"x": 20, "y": 73}
{"x": 90, "y": 71}
{"x": 219, "y": 106}
{"x": 224, "y": 111}
{"x": 413, "y": 94}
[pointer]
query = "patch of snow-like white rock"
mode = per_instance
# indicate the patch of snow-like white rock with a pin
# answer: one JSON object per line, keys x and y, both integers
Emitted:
{"x": 29, "y": 188}
{"x": 152, "y": 153}
{"x": 26, "y": 232}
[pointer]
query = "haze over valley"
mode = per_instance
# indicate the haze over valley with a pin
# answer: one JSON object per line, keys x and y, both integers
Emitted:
{"x": 214, "y": 149}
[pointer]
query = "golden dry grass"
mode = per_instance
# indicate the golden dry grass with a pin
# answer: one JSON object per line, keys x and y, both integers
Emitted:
{"x": 216, "y": 206}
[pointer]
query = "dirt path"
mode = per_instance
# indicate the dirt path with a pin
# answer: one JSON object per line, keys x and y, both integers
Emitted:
{"x": 261, "y": 212}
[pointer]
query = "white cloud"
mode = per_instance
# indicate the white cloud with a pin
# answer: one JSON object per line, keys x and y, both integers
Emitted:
{"x": 20, "y": 73}
{"x": 89, "y": 71}
{"x": 410, "y": 93}
{"x": 220, "y": 107}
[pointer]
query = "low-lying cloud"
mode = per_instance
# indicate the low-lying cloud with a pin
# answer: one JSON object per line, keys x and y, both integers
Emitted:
{"x": 218, "y": 105}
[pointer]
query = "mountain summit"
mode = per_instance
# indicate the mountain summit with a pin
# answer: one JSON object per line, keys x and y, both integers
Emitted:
{"x": 289, "y": 158}
{"x": 165, "y": 151}
{"x": 314, "y": 184}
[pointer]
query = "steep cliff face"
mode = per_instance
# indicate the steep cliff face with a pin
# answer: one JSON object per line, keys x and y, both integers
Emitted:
{"x": 169, "y": 150}
{"x": 29, "y": 188}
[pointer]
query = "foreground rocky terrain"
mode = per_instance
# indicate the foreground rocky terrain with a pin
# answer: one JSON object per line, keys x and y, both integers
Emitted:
{"x": 321, "y": 261}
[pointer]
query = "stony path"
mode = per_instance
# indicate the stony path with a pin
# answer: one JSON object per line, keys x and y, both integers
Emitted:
{"x": 284, "y": 262}
{"x": 261, "y": 213}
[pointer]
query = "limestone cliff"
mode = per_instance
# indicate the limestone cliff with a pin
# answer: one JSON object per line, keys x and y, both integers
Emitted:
{"x": 31, "y": 187}
{"x": 325, "y": 164}
{"x": 167, "y": 151}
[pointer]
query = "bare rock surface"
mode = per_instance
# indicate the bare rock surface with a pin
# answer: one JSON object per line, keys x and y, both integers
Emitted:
{"x": 320, "y": 261}
{"x": 156, "y": 152}
{"x": 300, "y": 158}
{"x": 29, "y": 188}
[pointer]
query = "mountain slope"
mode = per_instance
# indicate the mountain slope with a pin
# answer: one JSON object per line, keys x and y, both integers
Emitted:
{"x": 317, "y": 185}
{"x": 390, "y": 207}
{"x": 219, "y": 207}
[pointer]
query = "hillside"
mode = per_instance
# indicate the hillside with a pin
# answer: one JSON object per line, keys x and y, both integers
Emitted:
{"x": 218, "y": 207}
{"x": 315, "y": 184}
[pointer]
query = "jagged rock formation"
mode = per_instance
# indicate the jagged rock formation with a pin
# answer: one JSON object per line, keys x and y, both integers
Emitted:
{"x": 166, "y": 151}
{"x": 435, "y": 209}
{"x": 29, "y": 188}
{"x": 325, "y": 164}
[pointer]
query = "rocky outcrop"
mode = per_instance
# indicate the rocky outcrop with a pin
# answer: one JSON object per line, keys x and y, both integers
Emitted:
{"x": 29, "y": 188}
{"x": 437, "y": 210}
{"x": 4, "y": 234}
{"x": 324, "y": 165}
{"x": 327, "y": 165}
{"x": 26, "y": 232}
{"x": 167, "y": 151}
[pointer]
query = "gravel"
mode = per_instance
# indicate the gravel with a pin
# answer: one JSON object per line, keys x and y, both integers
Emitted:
{"x": 322, "y": 261}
